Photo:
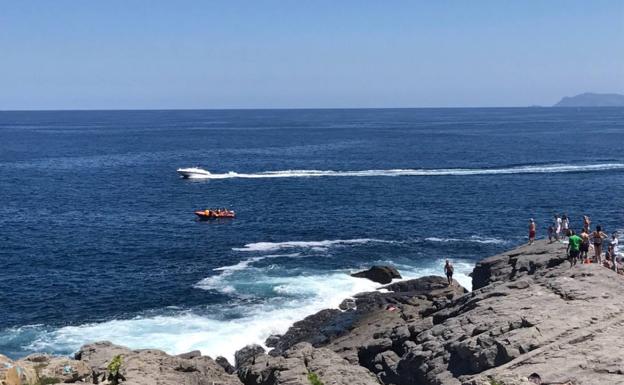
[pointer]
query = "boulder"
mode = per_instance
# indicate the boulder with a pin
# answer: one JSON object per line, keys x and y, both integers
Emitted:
{"x": 225, "y": 364}
{"x": 247, "y": 355}
{"x": 379, "y": 274}
{"x": 272, "y": 340}
{"x": 347, "y": 304}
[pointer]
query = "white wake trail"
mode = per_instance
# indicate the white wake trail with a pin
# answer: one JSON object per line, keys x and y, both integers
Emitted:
{"x": 529, "y": 169}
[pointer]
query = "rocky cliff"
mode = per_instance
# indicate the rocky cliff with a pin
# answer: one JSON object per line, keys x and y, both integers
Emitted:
{"x": 531, "y": 318}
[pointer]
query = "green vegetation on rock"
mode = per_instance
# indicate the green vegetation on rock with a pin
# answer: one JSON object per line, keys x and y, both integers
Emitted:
{"x": 113, "y": 370}
{"x": 314, "y": 380}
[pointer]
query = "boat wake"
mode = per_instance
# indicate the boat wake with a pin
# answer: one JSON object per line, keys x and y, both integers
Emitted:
{"x": 528, "y": 169}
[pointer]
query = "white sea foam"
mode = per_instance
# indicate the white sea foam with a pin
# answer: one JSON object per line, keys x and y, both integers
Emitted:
{"x": 189, "y": 330}
{"x": 315, "y": 245}
{"x": 221, "y": 330}
{"x": 218, "y": 282}
{"x": 528, "y": 169}
{"x": 474, "y": 238}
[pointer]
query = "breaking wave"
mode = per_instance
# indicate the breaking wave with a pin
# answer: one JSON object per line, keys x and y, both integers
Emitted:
{"x": 221, "y": 330}
{"x": 264, "y": 300}
{"x": 527, "y": 169}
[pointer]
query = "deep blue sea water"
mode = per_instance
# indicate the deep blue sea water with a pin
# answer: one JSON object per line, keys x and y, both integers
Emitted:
{"x": 98, "y": 239}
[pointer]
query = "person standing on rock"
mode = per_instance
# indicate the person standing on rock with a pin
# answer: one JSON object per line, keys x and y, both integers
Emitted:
{"x": 565, "y": 225}
{"x": 584, "y": 246}
{"x": 598, "y": 237}
{"x": 448, "y": 270}
{"x": 574, "y": 247}
{"x": 613, "y": 250}
{"x": 586, "y": 223}
{"x": 531, "y": 231}
{"x": 557, "y": 226}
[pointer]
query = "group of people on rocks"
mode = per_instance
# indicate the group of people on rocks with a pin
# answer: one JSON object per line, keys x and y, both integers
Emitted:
{"x": 579, "y": 245}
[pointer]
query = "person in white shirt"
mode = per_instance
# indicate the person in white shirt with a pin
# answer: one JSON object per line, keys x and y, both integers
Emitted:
{"x": 613, "y": 250}
{"x": 565, "y": 225}
{"x": 557, "y": 225}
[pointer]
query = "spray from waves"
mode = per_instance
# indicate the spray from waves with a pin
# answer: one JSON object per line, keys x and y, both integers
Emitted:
{"x": 208, "y": 330}
{"x": 528, "y": 169}
{"x": 317, "y": 245}
{"x": 473, "y": 239}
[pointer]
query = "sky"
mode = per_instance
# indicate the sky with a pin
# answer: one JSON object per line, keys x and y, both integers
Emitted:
{"x": 150, "y": 54}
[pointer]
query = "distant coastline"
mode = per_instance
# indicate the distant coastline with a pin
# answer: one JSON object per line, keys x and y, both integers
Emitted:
{"x": 589, "y": 99}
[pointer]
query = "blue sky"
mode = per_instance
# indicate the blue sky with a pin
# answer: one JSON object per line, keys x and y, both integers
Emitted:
{"x": 288, "y": 54}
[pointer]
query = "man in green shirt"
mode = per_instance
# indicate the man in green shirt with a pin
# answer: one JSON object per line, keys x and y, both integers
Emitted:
{"x": 574, "y": 247}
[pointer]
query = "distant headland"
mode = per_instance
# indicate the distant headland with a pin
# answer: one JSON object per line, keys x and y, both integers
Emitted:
{"x": 589, "y": 99}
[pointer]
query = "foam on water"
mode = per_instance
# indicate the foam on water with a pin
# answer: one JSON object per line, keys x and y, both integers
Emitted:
{"x": 264, "y": 302}
{"x": 474, "y": 238}
{"x": 314, "y": 245}
{"x": 218, "y": 282}
{"x": 528, "y": 169}
{"x": 200, "y": 330}
{"x": 215, "y": 331}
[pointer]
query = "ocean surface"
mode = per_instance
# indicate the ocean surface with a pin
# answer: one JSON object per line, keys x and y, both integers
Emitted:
{"x": 98, "y": 240}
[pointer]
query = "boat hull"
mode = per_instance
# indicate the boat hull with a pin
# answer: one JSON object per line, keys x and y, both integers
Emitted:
{"x": 192, "y": 173}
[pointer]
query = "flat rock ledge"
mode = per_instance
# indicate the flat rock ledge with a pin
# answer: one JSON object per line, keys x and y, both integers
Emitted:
{"x": 530, "y": 315}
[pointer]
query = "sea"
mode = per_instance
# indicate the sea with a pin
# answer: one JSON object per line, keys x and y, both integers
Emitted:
{"x": 99, "y": 241}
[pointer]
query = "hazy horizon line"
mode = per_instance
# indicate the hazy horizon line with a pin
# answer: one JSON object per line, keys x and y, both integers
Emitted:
{"x": 291, "y": 108}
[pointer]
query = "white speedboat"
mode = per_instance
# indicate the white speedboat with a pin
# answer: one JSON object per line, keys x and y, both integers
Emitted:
{"x": 193, "y": 172}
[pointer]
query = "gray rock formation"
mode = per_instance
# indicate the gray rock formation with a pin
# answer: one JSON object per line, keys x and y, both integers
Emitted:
{"x": 37, "y": 369}
{"x": 379, "y": 274}
{"x": 375, "y": 312}
{"x": 530, "y": 313}
{"x": 149, "y": 366}
{"x": 300, "y": 361}
{"x": 247, "y": 355}
{"x": 272, "y": 340}
{"x": 225, "y": 364}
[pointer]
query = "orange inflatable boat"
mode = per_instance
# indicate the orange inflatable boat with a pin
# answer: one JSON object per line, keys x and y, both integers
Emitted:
{"x": 215, "y": 214}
